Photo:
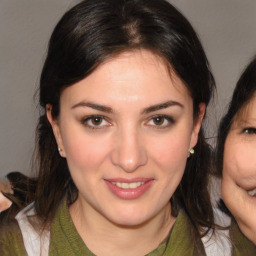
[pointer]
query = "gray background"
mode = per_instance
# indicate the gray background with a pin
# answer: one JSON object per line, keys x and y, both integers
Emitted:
{"x": 227, "y": 29}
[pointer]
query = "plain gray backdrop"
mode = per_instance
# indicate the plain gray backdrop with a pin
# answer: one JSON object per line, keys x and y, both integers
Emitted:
{"x": 227, "y": 29}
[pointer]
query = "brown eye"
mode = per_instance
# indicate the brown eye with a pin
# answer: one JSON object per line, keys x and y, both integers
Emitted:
{"x": 250, "y": 130}
{"x": 97, "y": 120}
{"x": 159, "y": 120}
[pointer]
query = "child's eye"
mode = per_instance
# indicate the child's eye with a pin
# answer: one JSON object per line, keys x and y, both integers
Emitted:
{"x": 95, "y": 122}
{"x": 249, "y": 130}
{"x": 160, "y": 121}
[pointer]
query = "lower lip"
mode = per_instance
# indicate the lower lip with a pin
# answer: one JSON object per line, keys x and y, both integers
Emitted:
{"x": 129, "y": 194}
{"x": 252, "y": 199}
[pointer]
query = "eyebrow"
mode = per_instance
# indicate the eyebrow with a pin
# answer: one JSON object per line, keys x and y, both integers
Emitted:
{"x": 160, "y": 106}
{"x": 248, "y": 121}
{"x": 102, "y": 108}
{"x": 147, "y": 110}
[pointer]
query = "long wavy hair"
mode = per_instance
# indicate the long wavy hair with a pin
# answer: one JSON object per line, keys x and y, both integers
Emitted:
{"x": 85, "y": 37}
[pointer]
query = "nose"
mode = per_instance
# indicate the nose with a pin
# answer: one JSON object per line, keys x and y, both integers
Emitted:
{"x": 129, "y": 152}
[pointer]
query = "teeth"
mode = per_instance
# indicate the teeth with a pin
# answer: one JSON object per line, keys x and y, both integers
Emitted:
{"x": 128, "y": 185}
{"x": 252, "y": 192}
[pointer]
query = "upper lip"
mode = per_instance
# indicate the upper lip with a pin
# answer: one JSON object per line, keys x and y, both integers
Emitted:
{"x": 124, "y": 180}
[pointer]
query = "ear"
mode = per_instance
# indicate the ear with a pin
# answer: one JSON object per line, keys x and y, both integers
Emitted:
{"x": 56, "y": 129}
{"x": 197, "y": 125}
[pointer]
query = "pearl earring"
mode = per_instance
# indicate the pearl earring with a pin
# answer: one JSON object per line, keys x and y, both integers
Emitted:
{"x": 191, "y": 152}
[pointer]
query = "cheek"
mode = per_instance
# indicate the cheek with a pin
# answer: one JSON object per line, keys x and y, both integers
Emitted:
{"x": 85, "y": 152}
{"x": 239, "y": 161}
{"x": 171, "y": 151}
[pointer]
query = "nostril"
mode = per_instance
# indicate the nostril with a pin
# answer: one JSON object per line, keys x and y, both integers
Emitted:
{"x": 129, "y": 151}
{"x": 129, "y": 161}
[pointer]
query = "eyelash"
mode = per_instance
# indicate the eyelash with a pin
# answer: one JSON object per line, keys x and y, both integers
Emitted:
{"x": 86, "y": 121}
{"x": 249, "y": 130}
{"x": 168, "y": 119}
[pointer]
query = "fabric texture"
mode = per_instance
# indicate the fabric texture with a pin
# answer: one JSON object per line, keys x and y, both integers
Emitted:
{"x": 35, "y": 243}
{"x": 11, "y": 241}
{"x": 241, "y": 245}
{"x": 218, "y": 243}
{"x": 65, "y": 240}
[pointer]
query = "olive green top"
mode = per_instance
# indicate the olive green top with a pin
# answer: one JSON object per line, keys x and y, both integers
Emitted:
{"x": 65, "y": 240}
{"x": 241, "y": 245}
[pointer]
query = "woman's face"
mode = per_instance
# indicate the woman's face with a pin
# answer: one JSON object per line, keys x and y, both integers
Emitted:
{"x": 125, "y": 131}
{"x": 239, "y": 167}
{"x": 240, "y": 148}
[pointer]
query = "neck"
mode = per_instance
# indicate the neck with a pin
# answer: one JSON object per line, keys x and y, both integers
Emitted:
{"x": 115, "y": 239}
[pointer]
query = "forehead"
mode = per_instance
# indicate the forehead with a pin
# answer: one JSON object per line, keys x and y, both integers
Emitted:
{"x": 130, "y": 76}
{"x": 247, "y": 113}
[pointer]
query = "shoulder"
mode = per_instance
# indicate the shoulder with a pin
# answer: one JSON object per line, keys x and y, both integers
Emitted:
{"x": 35, "y": 238}
{"x": 23, "y": 236}
{"x": 217, "y": 242}
{"x": 184, "y": 238}
{"x": 241, "y": 245}
{"x": 11, "y": 241}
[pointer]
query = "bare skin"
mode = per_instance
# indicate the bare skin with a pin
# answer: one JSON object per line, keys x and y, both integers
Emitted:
{"x": 5, "y": 203}
{"x": 125, "y": 131}
{"x": 239, "y": 170}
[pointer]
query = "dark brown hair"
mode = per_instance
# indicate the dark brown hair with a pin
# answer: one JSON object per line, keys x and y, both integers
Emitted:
{"x": 87, "y": 35}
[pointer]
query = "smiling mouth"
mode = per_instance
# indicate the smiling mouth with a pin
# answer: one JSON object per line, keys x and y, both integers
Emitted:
{"x": 252, "y": 192}
{"x": 129, "y": 189}
{"x": 131, "y": 185}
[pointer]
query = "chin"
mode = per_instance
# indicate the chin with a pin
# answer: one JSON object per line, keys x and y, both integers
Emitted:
{"x": 130, "y": 222}
{"x": 129, "y": 217}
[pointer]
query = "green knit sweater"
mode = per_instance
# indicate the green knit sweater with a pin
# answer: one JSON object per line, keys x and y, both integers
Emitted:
{"x": 65, "y": 240}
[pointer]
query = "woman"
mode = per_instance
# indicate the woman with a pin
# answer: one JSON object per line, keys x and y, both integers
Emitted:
{"x": 236, "y": 153}
{"x": 121, "y": 152}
